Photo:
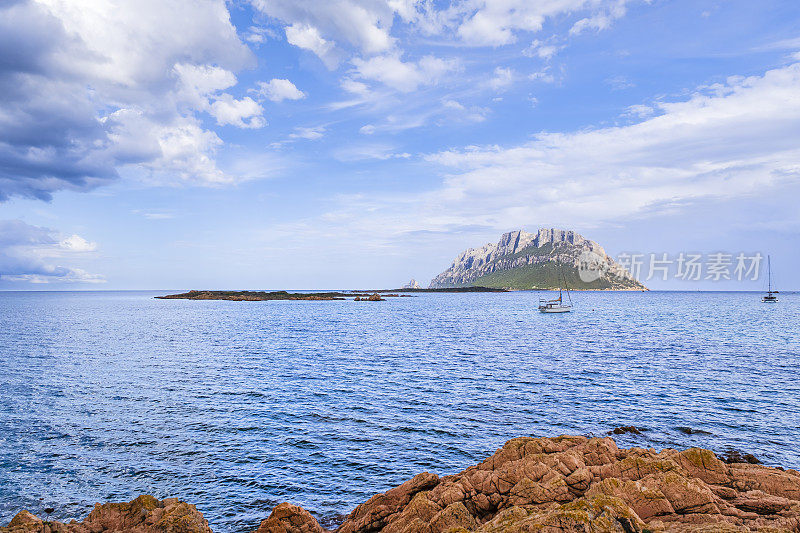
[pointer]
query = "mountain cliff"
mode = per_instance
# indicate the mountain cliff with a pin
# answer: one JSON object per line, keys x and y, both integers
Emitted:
{"x": 522, "y": 260}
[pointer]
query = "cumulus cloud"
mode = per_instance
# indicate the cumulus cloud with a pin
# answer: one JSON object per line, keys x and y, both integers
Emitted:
{"x": 308, "y": 38}
{"x": 243, "y": 113}
{"x": 71, "y": 78}
{"x": 35, "y": 254}
{"x": 401, "y": 75}
{"x": 497, "y": 22}
{"x": 279, "y": 90}
{"x": 363, "y": 24}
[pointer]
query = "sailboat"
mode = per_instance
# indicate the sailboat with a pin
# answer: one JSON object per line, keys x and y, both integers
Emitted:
{"x": 557, "y": 305}
{"x": 770, "y": 297}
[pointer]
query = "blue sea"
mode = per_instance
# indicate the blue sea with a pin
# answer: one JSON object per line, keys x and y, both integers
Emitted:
{"x": 238, "y": 406}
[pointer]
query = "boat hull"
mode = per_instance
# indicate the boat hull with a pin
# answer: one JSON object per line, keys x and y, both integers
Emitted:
{"x": 555, "y": 310}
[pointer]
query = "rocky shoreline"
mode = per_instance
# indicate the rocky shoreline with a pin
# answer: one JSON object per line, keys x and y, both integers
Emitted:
{"x": 563, "y": 484}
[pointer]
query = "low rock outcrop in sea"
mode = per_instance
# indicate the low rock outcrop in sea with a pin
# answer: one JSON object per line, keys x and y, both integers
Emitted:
{"x": 145, "y": 514}
{"x": 375, "y": 297}
{"x": 253, "y": 296}
{"x": 576, "y": 484}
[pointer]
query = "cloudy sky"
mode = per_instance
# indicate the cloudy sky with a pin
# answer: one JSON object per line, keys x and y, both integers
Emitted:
{"x": 358, "y": 143}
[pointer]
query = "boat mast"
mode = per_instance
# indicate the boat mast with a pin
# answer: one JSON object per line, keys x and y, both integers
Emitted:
{"x": 769, "y": 275}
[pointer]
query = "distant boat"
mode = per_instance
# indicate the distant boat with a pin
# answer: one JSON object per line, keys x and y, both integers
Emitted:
{"x": 770, "y": 297}
{"x": 557, "y": 305}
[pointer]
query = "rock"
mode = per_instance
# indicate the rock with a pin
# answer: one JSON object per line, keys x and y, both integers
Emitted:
{"x": 23, "y": 519}
{"x": 145, "y": 514}
{"x": 690, "y": 431}
{"x": 731, "y": 456}
{"x": 286, "y": 518}
{"x": 413, "y": 284}
{"x": 580, "y": 484}
{"x": 626, "y": 429}
{"x": 375, "y": 297}
{"x": 520, "y": 250}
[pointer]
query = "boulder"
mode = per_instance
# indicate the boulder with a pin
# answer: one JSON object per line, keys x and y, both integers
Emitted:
{"x": 145, "y": 514}
{"x": 288, "y": 518}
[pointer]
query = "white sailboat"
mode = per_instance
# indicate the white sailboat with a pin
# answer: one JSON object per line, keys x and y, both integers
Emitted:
{"x": 770, "y": 297}
{"x": 557, "y": 305}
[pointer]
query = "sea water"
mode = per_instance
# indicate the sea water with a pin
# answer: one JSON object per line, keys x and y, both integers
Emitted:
{"x": 238, "y": 406}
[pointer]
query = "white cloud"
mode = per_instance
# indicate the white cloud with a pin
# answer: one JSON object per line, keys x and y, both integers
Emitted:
{"x": 362, "y": 152}
{"x": 180, "y": 148}
{"x": 502, "y": 79}
{"x": 243, "y": 113}
{"x": 404, "y": 76}
{"x": 76, "y": 243}
{"x": 639, "y": 111}
{"x": 725, "y": 142}
{"x": 36, "y": 254}
{"x": 355, "y": 87}
{"x": 311, "y": 134}
{"x": 90, "y": 67}
{"x": 543, "y": 75}
{"x": 364, "y": 24}
{"x": 308, "y": 38}
{"x": 731, "y": 141}
{"x": 279, "y": 90}
{"x": 496, "y": 22}
{"x": 600, "y": 20}
{"x": 197, "y": 82}
{"x": 541, "y": 50}
{"x": 199, "y": 85}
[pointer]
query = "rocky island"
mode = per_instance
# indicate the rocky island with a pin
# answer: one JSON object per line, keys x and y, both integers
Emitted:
{"x": 550, "y": 485}
{"x": 253, "y": 296}
{"x": 262, "y": 296}
{"x": 522, "y": 260}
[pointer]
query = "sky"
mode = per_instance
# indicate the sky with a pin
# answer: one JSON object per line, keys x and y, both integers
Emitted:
{"x": 296, "y": 144}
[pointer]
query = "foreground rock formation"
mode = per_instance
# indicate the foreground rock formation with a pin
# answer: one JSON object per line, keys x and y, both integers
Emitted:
{"x": 563, "y": 484}
{"x": 145, "y": 514}
{"x": 522, "y": 260}
{"x": 576, "y": 484}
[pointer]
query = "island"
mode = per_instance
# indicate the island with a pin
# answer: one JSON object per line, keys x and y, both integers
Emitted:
{"x": 261, "y": 296}
{"x": 548, "y": 259}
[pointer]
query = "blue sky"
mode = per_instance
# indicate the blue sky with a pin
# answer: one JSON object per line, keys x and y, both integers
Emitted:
{"x": 354, "y": 143}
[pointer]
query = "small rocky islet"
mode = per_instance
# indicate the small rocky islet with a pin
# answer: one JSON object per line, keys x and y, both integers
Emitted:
{"x": 264, "y": 296}
{"x": 564, "y": 484}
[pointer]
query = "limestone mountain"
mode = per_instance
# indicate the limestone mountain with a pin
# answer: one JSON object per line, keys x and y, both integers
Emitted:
{"x": 541, "y": 260}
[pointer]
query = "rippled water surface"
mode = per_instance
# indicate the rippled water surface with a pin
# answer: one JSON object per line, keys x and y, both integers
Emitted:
{"x": 237, "y": 406}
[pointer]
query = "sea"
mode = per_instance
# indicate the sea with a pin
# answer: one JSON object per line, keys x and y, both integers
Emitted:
{"x": 238, "y": 406}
